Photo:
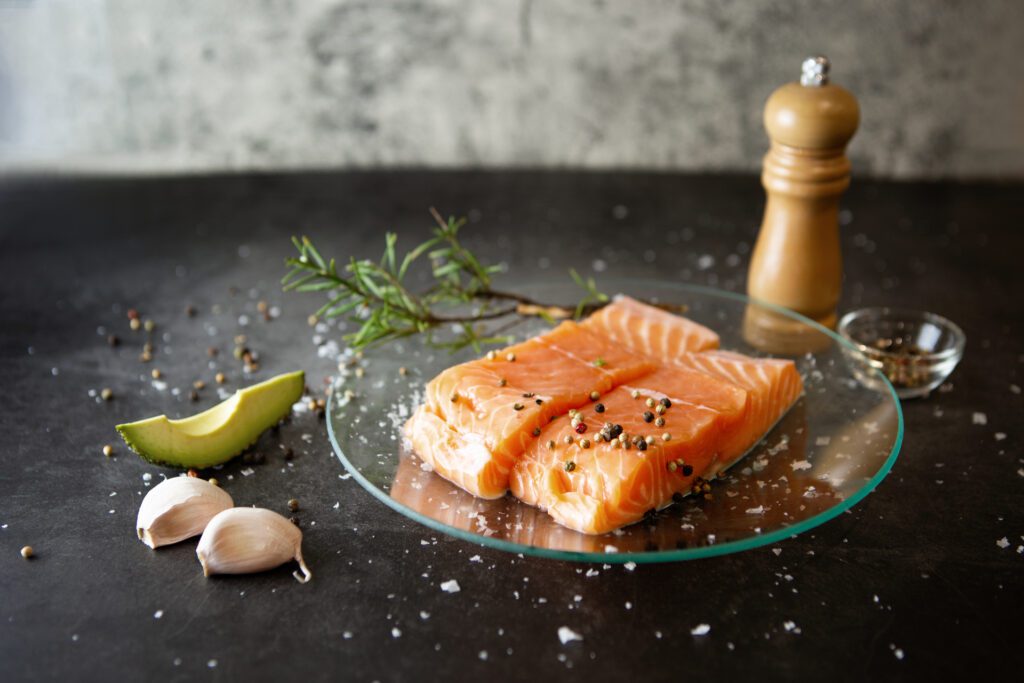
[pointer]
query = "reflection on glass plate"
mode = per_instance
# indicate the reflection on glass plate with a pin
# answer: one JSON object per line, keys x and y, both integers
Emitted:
{"x": 835, "y": 445}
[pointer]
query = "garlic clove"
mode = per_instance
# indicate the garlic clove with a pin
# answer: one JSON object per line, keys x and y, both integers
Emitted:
{"x": 179, "y": 508}
{"x": 247, "y": 540}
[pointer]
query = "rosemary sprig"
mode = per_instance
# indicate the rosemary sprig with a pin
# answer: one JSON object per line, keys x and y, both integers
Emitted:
{"x": 376, "y": 298}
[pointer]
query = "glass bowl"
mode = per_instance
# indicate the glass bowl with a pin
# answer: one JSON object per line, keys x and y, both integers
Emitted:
{"x": 833, "y": 447}
{"x": 915, "y": 350}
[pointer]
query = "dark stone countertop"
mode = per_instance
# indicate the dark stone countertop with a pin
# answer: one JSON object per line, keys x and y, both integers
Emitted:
{"x": 914, "y": 570}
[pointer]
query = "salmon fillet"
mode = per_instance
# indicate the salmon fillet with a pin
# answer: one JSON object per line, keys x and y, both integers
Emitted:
{"x": 773, "y": 386}
{"x": 651, "y": 331}
{"x": 481, "y": 415}
{"x": 610, "y": 485}
{"x": 506, "y": 422}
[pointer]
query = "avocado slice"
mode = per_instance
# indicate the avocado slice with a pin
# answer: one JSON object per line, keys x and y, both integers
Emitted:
{"x": 218, "y": 434}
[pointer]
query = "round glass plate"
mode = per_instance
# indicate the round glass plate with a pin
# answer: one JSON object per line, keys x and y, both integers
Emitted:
{"x": 829, "y": 451}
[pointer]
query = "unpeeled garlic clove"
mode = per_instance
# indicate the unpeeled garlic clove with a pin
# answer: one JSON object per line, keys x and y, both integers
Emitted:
{"x": 247, "y": 540}
{"x": 179, "y": 508}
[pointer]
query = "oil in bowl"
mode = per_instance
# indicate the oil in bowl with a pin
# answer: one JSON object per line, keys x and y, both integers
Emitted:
{"x": 915, "y": 350}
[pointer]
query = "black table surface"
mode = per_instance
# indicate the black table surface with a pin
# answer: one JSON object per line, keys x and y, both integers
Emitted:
{"x": 913, "y": 582}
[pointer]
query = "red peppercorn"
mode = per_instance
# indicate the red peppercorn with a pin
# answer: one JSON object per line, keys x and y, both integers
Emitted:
{"x": 581, "y": 427}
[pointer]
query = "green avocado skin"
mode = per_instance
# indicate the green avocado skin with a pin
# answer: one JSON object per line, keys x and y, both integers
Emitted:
{"x": 217, "y": 435}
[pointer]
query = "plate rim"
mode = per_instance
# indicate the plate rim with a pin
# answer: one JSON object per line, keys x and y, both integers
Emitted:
{"x": 679, "y": 554}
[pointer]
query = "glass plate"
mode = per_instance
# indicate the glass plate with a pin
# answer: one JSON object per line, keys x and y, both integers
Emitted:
{"x": 833, "y": 447}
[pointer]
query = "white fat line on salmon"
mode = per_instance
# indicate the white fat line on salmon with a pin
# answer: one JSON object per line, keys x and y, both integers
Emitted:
{"x": 573, "y": 356}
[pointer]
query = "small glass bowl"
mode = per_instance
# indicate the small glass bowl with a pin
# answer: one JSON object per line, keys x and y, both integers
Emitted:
{"x": 915, "y": 350}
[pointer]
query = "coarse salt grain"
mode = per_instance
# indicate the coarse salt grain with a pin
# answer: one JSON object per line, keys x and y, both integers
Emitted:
{"x": 800, "y": 465}
{"x": 979, "y": 419}
{"x": 700, "y": 630}
{"x": 567, "y": 635}
{"x": 1003, "y": 543}
{"x": 451, "y": 586}
{"x": 629, "y": 566}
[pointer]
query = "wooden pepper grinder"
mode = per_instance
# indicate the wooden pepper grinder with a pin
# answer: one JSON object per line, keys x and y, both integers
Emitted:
{"x": 796, "y": 262}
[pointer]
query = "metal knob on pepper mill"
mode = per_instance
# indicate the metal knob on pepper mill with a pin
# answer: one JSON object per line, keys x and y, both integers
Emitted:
{"x": 796, "y": 261}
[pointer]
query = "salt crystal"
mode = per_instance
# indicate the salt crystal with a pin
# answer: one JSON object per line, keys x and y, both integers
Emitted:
{"x": 790, "y": 627}
{"x": 147, "y": 477}
{"x": 823, "y": 441}
{"x": 777, "y": 551}
{"x": 424, "y": 615}
{"x": 759, "y": 510}
{"x": 396, "y": 632}
{"x": 1003, "y": 542}
{"x": 475, "y": 558}
{"x": 800, "y": 465}
{"x": 629, "y": 566}
{"x": 611, "y": 549}
{"x": 979, "y": 419}
{"x": 1000, "y": 436}
{"x": 592, "y": 573}
{"x": 1014, "y": 388}
{"x": 483, "y": 655}
{"x": 248, "y": 471}
{"x": 158, "y": 614}
{"x": 567, "y": 635}
{"x": 451, "y": 586}
{"x": 700, "y": 630}
{"x": 212, "y": 664}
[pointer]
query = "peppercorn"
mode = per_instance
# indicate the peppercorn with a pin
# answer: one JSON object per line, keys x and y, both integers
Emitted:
{"x": 134, "y": 324}
{"x": 536, "y": 431}
{"x": 567, "y": 439}
{"x": 212, "y": 351}
{"x": 108, "y": 450}
{"x": 213, "y": 481}
{"x": 149, "y": 326}
{"x": 198, "y": 384}
{"x": 193, "y": 395}
{"x": 502, "y": 382}
{"x": 641, "y": 445}
{"x": 106, "y": 394}
{"x": 599, "y": 408}
{"x": 648, "y": 416}
{"x": 659, "y": 409}
{"x": 27, "y": 552}
{"x": 538, "y": 402}
{"x": 510, "y": 357}
{"x": 220, "y": 378}
{"x": 666, "y": 437}
{"x": 403, "y": 371}
{"x": 687, "y": 470}
{"x": 677, "y": 497}
{"x": 491, "y": 355}
{"x": 649, "y": 402}
{"x": 293, "y": 505}
{"x": 635, "y": 394}
{"x": 289, "y": 454}
{"x": 570, "y": 466}
{"x": 113, "y": 340}
{"x": 665, "y": 402}
{"x": 529, "y": 394}
{"x": 156, "y": 373}
{"x": 190, "y": 311}
{"x": 133, "y": 314}
{"x": 595, "y": 395}
{"x": 581, "y": 427}
{"x": 551, "y": 444}
{"x": 145, "y": 356}
{"x": 584, "y": 443}
{"x": 517, "y": 406}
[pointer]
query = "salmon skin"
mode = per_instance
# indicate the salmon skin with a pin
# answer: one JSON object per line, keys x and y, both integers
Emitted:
{"x": 600, "y": 422}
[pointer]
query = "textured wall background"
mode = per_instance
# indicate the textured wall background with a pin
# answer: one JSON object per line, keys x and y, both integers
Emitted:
{"x": 176, "y": 85}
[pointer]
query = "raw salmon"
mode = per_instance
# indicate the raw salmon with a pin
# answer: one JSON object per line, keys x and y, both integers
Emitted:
{"x": 481, "y": 415}
{"x": 507, "y": 421}
{"x": 773, "y": 385}
{"x": 649, "y": 330}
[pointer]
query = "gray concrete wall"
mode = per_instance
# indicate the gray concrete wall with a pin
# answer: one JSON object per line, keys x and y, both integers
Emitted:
{"x": 173, "y": 85}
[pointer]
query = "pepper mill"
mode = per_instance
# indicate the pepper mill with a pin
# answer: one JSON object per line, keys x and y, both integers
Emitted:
{"x": 796, "y": 261}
